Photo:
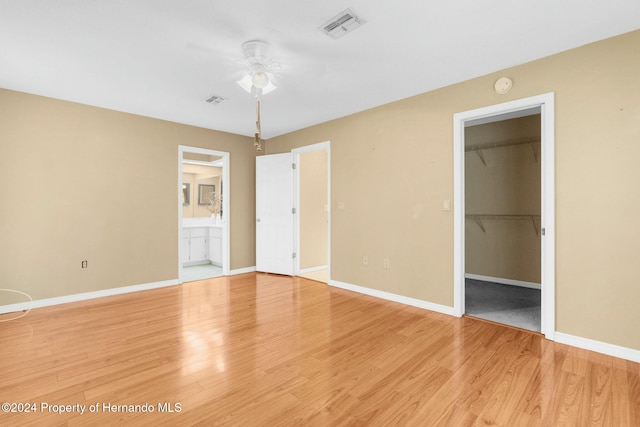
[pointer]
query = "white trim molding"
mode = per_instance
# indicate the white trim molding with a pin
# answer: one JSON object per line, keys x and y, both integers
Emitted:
{"x": 503, "y": 281}
{"x": 599, "y": 347}
{"x": 226, "y": 202}
{"x": 242, "y": 270}
{"x": 28, "y": 305}
{"x": 545, "y": 103}
{"x": 313, "y": 269}
{"x": 326, "y": 145}
{"x": 85, "y": 296}
{"x": 574, "y": 341}
{"x": 414, "y": 302}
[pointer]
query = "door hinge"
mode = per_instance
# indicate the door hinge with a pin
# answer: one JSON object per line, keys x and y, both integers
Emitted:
{"x": 293, "y": 255}
{"x": 293, "y": 210}
{"x": 293, "y": 165}
{"x": 542, "y": 231}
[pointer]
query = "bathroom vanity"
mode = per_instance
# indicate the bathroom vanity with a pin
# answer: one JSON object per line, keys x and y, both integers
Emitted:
{"x": 201, "y": 242}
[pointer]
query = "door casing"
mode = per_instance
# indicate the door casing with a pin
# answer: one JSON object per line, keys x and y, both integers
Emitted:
{"x": 326, "y": 145}
{"x": 226, "y": 204}
{"x": 547, "y": 155}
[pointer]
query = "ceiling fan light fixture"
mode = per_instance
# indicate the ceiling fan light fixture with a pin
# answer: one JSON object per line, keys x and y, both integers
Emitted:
{"x": 270, "y": 87}
{"x": 260, "y": 79}
{"x": 247, "y": 84}
{"x": 257, "y": 54}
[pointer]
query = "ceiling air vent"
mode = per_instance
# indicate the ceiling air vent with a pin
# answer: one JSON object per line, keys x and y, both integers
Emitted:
{"x": 215, "y": 99}
{"x": 341, "y": 24}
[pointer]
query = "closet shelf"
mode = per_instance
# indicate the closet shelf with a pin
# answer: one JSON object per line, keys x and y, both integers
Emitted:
{"x": 479, "y": 218}
{"x": 478, "y": 148}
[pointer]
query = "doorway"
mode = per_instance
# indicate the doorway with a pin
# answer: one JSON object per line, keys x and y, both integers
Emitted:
{"x": 204, "y": 209}
{"x": 293, "y": 214}
{"x": 275, "y": 243}
{"x": 543, "y": 225}
{"x": 502, "y": 220}
{"x": 312, "y": 186}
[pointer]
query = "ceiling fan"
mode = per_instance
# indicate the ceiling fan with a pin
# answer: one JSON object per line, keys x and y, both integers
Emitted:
{"x": 259, "y": 79}
{"x": 258, "y": 57}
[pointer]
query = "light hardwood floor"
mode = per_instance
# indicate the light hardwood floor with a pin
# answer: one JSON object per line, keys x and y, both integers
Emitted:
{"x": 265, "y": 350}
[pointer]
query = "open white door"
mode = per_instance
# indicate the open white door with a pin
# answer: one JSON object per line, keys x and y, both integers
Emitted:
{"x": 274, "y": 214}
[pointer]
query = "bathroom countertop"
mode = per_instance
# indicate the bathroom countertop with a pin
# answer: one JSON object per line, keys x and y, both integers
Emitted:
{"x": 199, "y": 222}
{"x": 201, "y": 225}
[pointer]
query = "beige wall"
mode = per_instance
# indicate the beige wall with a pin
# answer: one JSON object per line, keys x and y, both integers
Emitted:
{"x": 313, "y": 204}
{"x": 400, "y": 217}
{"x": 507, "y": 183}
{"x": 105, "y": 185}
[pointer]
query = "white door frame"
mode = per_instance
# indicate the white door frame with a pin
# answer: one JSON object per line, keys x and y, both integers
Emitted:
{"x": 226, "y": 203}
{"x": 326, "y": 145}
{"x": 547, "y": 114}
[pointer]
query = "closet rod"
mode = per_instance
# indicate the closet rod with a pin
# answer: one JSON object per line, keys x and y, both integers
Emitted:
{"x": 478, "y": 218}
{"x": 500, "y": 144}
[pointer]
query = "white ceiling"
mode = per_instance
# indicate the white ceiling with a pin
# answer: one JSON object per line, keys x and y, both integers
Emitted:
{"x": 162, "y": 58}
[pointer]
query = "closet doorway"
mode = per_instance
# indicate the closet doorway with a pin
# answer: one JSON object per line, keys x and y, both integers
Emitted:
{"x": 503, "y": 221}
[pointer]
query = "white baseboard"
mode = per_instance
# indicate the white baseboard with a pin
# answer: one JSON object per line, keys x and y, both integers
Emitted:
{"x": 584, "y": 343}
{"x": 312, "y": 269}
{"x": 394, "y": 297}
{"x": 84, "y": 296}
{"x": 195, "y": 263}
{"x": 572, "y": 340}
{"x": 28, "y": 305}
{"x": 242, "y": 270}
{"x": 503, "y": 281}
{"x": 598, "y": 346}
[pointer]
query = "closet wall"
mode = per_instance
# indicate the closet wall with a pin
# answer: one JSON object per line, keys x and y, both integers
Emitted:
{"x": 502, "y": 199}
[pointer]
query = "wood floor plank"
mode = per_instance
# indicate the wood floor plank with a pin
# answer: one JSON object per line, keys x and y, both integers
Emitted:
{"x": 504, "y": 401}
{"x": 633, "y": 381}
{"x": 598, "y": 391}
{"x": 262, "y": 349}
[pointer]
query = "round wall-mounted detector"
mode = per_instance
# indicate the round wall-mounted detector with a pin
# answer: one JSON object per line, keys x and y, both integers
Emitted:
{"x": 503, "y": 85}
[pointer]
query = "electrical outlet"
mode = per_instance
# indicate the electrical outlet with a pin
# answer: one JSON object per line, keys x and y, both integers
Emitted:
{"x": 84, "y": 264}
{"x": 387, "y": 263}
{"x": 365, "y": 260}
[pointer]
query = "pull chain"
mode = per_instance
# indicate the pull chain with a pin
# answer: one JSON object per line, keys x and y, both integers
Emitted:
{"x": 257, "y": 141}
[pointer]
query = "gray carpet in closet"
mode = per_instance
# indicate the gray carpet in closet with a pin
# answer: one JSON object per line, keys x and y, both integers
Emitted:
{"x": 511, "y": 305}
